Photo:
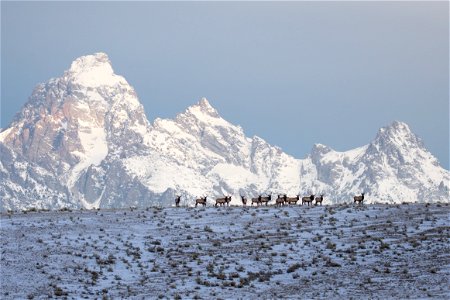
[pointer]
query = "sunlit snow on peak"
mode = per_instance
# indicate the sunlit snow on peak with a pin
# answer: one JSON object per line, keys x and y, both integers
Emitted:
{"x": 398, "y": 133}
{"x": 203, "y": 107}
{"x": 94, "y": 71}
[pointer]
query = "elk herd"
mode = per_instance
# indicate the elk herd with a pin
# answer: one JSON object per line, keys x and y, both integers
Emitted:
{"x": 260, "y": 200}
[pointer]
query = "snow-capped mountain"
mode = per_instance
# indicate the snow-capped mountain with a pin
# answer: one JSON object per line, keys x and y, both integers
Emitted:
{"x": 394, "y": 167}
{"x": 83, "y": 140}
{"x": 200, "y": 153}
{"x": 65, "y": 148}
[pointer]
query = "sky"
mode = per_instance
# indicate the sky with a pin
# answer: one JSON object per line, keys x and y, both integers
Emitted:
{"x": 293, "y": 73}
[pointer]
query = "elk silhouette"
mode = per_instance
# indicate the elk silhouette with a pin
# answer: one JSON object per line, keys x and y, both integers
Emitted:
{"x": 319, "y": 200}
{"x": 280, "y": 200}
{"x": 308, "y": 200}
{"x": 256, "y": 200}
{"x": 222, "y": 201}
{"x": 290, "y": 200}
{"x": 201, "y": 200}
{"x": 359, "y": 199}
{"x": 244, "y": 200}
{"x": 265, "y": 199}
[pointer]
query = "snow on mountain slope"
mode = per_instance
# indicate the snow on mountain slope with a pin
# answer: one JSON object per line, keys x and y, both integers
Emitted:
{"x": 73, "y": 127}
{"x": 206, "y": 155}
{"x": 83, "y": 140}
{"x": 395, "y": 167}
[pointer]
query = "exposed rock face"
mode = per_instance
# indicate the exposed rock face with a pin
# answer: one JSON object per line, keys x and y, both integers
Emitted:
{"x": 83, "y": 140}
{"x": 73, "y": 130}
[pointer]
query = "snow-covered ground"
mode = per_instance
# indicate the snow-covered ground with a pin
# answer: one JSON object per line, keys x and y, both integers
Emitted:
{"x": 342, "y": 251}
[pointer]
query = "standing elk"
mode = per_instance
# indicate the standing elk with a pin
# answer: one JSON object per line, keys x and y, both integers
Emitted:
{"x": 308, "y": 200}
{"x": 265, "y": 199}
{"x": 244, "y": 200}
{"x": 222, "y": 201}
{"x": 177, "y": 201}
{"x": 319, "y": 199}
{"x": 256, "y": 200}
{"x": 290, "y": 200}
{"x": 280, "y": 200}
{"x": 201, "y": 200}
{"x": 358, "y": 199}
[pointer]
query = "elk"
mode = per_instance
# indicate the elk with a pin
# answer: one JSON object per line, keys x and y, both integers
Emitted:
{"x": 291, "y": 200}
{"x": 256, "y": 200}
{"x": 358, "y": 199}
{"x": 244, "y": 200}
{"x": 280, "y": 200}
{"x": 265, "y": 199}
{"x": 319, "y": 199}
{"x": 201, "y": 200}
{"x": 222, "y": 201}
{"x": 308, "y": 200}
{"x": 177, "y": 201}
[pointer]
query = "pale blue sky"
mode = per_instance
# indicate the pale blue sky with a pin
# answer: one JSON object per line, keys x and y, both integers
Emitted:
{"x": 294, "y": 73}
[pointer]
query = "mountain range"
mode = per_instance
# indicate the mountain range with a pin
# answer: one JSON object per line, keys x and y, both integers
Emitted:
{"x": 83, "y": 141}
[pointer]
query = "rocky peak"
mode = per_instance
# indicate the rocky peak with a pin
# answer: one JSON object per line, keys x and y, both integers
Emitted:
{"x": 397, "y": 131}
{"x": 202, "y": 119}
{"x": 399, "y": 134}
{"x": 90, "y": 61}
{"x": 319, "y": 150}
{"x": 93, "y": 71}
{"x": 83, "y": 140}
{"x": 204, "y": 103}
{"x": 203, "y": 108}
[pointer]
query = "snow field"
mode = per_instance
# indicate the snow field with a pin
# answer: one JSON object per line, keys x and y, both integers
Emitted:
{"x": 228, "y": 252}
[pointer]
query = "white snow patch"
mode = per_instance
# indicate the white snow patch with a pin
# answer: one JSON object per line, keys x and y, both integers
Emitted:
{"x": 236, "y": 176}
{"x": 5, "y": 133}
{"x": 159, "y": 174}
{"x": 94, "y": 71}
{"x": 93, "y": 141}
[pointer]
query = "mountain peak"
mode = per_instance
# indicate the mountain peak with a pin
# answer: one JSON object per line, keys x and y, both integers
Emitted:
{"x": 397, "y": 136}
{"x": 398, "y": 132}
{"x": 398, "y": 125}
{"x": 204, "y": 103}
{"x": 90, "y": 61}
{"x": 203, "y": 107}
{"x": 320, "y": 149}
{"x": 83, "y": 140}
{"x": 93, "y": 71}
{"x": 206, "y": 107}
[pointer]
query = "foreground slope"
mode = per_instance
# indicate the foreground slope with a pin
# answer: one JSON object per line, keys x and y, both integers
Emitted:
{"x": 341, "y": 251}
{"x": 83, "y": 141}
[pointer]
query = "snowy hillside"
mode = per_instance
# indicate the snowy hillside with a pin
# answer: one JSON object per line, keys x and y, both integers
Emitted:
{"x": 333, "y": 252}
{"x": 83, "y": 141}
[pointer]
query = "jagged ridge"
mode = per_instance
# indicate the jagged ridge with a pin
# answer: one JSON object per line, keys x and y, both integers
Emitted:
{"x": 82, "y": 140}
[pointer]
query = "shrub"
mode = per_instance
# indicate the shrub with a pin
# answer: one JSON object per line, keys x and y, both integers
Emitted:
{"x": 293, "y": 267}
{"x": 383, "y": 246}
{"x": 59, "y": 292}
{"x": 331, "y": 246}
